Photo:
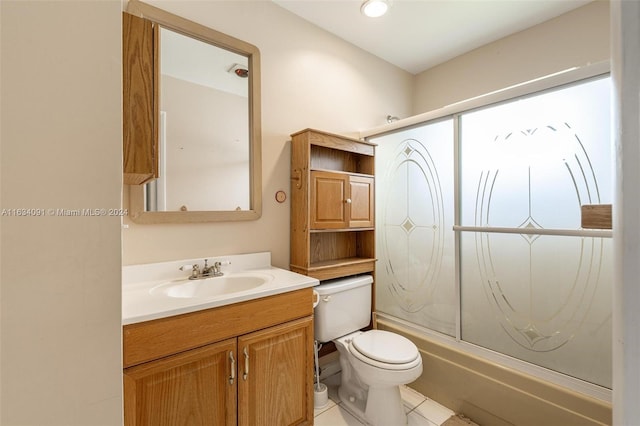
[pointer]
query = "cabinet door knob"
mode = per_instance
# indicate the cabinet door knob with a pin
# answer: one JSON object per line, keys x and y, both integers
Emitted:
{"x": 232, "y": 376}
{"x": 348, "y": 201}
{"x": 246, "y": 364}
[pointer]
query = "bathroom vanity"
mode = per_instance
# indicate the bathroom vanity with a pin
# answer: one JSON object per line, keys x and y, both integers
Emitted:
{"x": 215, "y": 362}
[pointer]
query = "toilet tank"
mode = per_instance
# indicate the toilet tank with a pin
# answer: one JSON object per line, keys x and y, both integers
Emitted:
{"x": 344, "y": 306}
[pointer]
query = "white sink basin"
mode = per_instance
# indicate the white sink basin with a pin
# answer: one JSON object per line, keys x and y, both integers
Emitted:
{"x": 210, "y": 287}
{"x": 158, "y": 290}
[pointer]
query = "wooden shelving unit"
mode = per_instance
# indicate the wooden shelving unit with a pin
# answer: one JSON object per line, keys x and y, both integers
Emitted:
{"x": 332, "y": 205}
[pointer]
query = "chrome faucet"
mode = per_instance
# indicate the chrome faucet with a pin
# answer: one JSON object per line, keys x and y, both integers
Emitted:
{"x": 213, "y": 270}
{"x": 195, "y": 271}
{"x": 207, "y": 271}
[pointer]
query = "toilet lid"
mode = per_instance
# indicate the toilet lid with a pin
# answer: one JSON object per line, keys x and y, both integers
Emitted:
{"x": 386, "y": 347}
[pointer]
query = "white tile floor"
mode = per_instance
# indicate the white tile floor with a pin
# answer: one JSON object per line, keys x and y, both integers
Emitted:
{"x": 421, "y": 411}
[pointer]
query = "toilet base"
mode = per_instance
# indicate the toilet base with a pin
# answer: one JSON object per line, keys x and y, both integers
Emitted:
{"x": 382, "y": 406}
{"x": 352, "y": 403}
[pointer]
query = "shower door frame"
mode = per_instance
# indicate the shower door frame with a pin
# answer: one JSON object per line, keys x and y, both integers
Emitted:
{"x": 454, "y": 112}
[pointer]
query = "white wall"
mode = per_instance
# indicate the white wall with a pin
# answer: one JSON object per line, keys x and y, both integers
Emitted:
{"x": 573, "y": 39}
{"x": 625, "y": 37}
{"x": 199, "y": 165}
{"x": 309, "y": 79}
{"x": 61, "y": 147}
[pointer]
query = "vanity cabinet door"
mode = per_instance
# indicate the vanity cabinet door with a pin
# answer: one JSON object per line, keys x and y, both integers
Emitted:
{"x": 191, "y": 388}
{"x": 275, "y": 375}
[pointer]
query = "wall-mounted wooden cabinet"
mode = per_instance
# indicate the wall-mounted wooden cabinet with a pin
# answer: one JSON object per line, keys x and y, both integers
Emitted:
{"x": 139, "y": 99}
{"x": 249, "y": 364}
{"x": 332, "y": 205}
{"x": 340, "y": 200}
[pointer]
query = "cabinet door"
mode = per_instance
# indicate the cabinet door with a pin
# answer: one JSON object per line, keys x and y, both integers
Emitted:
{"x": 275, "y": 383}
{"x": 341, "y": 201}
{"x": 191, "y": 388}
{"x": 360, "y": 202}
{"x": 139, "y": 99}
{"x": 329, "y": 194}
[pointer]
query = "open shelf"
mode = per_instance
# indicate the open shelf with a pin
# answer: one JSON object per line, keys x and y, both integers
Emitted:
{"x": 336, "y": 268}
{"x": 315, "y": 169}
{"x": 323, "y": 158}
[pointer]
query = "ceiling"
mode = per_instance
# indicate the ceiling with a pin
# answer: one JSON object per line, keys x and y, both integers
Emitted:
{"x": 418, "y": 34}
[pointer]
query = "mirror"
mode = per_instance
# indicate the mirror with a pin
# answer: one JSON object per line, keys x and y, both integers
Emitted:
{"x": 209, "y": 142}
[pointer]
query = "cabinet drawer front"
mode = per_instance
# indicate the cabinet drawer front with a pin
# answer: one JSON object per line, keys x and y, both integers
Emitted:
{"x": 162, "y": 337}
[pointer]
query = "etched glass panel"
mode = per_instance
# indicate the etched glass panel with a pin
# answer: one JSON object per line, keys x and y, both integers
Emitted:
{"x": 415, "y": 277}
{"x": 531, "y": 164}
{"x": 547, "y": 302}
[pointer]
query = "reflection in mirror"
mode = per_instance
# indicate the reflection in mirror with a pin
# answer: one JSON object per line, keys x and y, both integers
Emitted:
{"x": 209, "y": 126}
{"x": 204, "y": 128}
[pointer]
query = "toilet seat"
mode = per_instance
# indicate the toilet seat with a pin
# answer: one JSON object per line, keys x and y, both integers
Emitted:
{"x": 385, "y": 350}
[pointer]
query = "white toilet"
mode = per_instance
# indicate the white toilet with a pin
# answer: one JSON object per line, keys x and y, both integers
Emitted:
{"x": 374, "y": 363}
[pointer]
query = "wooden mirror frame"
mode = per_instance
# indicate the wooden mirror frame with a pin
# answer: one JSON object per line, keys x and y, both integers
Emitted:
{"x": 200, "y": 32}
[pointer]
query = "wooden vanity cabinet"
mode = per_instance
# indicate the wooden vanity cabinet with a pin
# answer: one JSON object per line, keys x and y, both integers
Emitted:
{"x": 254, "y": 369}
{"x": 332, "y": 205}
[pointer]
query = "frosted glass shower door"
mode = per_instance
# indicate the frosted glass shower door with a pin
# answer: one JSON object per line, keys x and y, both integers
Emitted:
{"x": 415, "y": 277}
{"x": 530, "y": 164}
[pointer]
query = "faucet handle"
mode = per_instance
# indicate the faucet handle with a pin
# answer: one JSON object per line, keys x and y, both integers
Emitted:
{"x": 218, "y": 264}
{"x": 188, "y": 267}
{"x": 195, "y": 270}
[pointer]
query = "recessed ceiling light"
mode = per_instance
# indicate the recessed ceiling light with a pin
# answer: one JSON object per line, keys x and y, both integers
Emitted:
{"x": 374, "y": 8}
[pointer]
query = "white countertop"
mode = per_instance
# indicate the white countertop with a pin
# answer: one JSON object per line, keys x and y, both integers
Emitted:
{"x": 138, "y": 304}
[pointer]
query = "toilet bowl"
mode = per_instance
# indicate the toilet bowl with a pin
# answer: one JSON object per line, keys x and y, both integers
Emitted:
{"x": 374, "y": 363}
